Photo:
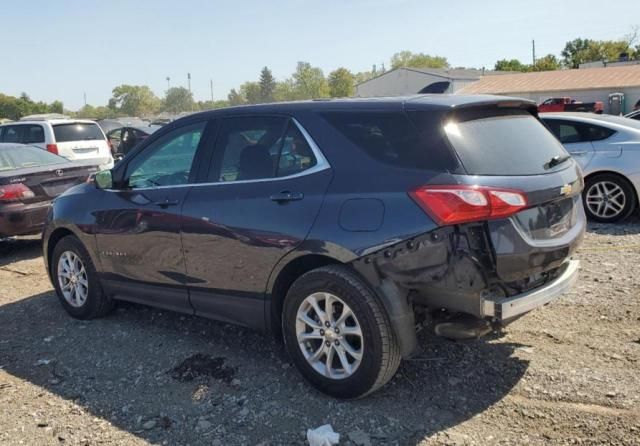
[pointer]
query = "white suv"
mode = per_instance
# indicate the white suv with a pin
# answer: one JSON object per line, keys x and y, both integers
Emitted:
{"x": 74, "y": 139}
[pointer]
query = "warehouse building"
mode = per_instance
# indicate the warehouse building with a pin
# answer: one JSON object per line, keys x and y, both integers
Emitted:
{"x": 407, "y": 81}
{"x": 585, "y": 85}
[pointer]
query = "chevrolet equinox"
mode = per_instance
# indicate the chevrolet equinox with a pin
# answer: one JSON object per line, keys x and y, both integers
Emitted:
{"x": 333, "y": 222}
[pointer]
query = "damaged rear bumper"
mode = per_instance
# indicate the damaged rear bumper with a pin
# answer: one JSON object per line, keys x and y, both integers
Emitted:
{"x": 508, "y": 308}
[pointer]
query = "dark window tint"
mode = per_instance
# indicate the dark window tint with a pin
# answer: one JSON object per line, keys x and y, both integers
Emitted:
{"x": 11, "y": 134}
{"x": 19, "y": 157}
{"x": 32, "y": 134}
{"x": 569, "y": 132}
{"x": 168, "y": 160}
{"x": 247, "y": 148}
{"x": 77, "y": 132}
{"x": 392, "y": 138}
{"x": 502, "y": 143}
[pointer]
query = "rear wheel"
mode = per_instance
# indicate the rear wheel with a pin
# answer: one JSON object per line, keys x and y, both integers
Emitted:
{"x": 76, "y": 281}
{"x": 608, "y": 198}
{"x": 338, "y": 334}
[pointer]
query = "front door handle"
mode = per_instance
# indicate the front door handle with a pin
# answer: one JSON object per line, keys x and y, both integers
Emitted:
{"x": 166, "y": 203}
{"x": 286, "y": 196}
{"x": 578, "y": 153}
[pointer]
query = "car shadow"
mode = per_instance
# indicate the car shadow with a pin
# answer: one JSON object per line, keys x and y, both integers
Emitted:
{"x": 166, "y": 377}
{"x": 629, "y": 226}
{"x": 18, "y": 249}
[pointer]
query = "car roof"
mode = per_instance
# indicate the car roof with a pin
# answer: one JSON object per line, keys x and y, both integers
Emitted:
{"x": 610, "y": 121}
{"x": 423, "y": 101}
{"x": 52, "y": 121}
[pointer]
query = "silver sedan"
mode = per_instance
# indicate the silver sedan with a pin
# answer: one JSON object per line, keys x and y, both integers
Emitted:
{"x": 608, "y": 150}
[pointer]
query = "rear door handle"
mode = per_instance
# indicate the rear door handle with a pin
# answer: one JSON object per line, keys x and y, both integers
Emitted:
{"x": 166, "y": 203}
{"x": 286, "y": 196}
{"x": 578, "y": 153}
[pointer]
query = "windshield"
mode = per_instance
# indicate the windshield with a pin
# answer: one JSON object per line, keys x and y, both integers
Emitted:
{"x": 21, "y": 157}
{"x": 77, "y": 131}
{"x": 505, "y": 143}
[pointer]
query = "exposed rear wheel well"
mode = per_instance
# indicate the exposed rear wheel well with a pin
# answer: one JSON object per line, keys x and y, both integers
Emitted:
{"x": 294, "y": 269}
{"x": 622, "y": 178}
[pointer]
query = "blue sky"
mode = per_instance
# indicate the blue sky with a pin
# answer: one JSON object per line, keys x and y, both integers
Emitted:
{"x": 62, "y": 49}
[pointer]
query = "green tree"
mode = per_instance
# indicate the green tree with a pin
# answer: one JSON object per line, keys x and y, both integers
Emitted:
{"x": 56, "y": 107}
{"x": 547, "y": 63}
{"x": 178, "y": 99}
{"x": 341, "y": 83}
{"x": 417, "y": 60}
{"x": 575, "y": 52}
{"x": 310, "y": 82}
{"x": 9, "y": 108}
{"x": 210, "y": 105}
{"x": 285, "y": 91}
{"x": 134, "y": 100}
{"x": 510, "y": 65}
{"x": 251, "y": 92}
{"x": 235, "y": 98}
{"x": 267, "y": 85}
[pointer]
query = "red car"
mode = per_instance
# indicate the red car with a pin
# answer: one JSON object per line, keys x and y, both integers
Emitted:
{"x": 568, "y": 104}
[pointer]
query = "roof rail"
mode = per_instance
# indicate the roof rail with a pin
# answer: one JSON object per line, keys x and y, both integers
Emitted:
{"x": 44, "y": 117}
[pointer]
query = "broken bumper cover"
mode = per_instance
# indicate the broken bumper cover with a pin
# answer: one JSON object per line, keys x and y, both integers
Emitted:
{"x": 507, "y": 308}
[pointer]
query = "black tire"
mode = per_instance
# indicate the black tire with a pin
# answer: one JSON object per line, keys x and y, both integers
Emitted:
{"x": 97, "y": 304}
{"x": 380, "y": 351}
{"x": 590, "y": 187}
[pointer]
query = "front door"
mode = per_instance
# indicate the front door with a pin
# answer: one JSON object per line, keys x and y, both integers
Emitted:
{"x": 265, "y": 187}
{"x": 138, "y": 230}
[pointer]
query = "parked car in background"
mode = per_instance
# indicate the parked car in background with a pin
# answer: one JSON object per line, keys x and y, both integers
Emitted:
{"x": 633, "y": 115}
{"x": 125, "y": 138}
{"x": 568, "y": 104}
{"x": 330, "y": 222}
{"x": 29, "y": 179}
{"x": 74, "y": 139}
{"x": 608, "y": 150}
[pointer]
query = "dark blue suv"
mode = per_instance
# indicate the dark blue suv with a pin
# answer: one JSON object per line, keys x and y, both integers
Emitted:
{"x": 336, "y": 223}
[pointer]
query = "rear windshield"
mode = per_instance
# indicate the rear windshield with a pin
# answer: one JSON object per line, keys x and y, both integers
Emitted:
{"x": 392, "y": 138}
{"x": 510, "y": 142}
{"x": 20, "y": 157}
{"x": 78, "y": 131}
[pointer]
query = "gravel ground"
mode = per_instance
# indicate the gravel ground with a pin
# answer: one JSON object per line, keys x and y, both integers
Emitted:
{"x": 564, "y": 374}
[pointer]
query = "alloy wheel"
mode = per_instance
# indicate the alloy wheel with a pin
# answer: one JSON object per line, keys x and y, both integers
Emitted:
{"x": 329, "y": 335}
{"x": 605, "y": 199}
{"x": 72, "y": 278}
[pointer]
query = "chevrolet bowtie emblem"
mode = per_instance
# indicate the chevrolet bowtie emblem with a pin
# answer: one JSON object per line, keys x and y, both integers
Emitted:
{"x": 566, "y": 189}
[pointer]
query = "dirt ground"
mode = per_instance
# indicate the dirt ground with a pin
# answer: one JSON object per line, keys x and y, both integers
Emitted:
{"x": 565, "y": 374}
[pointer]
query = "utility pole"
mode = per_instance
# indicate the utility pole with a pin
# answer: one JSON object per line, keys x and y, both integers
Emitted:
{"x": 211, "y": 85}
{"x": 168, "y": 83}
{"x": 85, "y": 98}
{"x": 533, "y": 49}
{"x": 189, "y": 81}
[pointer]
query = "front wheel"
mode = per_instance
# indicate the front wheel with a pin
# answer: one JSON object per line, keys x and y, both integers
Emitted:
{"x": 608, "y": 198}
{"x": 338, "y": 333}
{"x": 76, "y": 281}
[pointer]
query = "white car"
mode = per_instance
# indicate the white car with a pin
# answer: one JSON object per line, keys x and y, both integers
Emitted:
{"x": 608, "y": 150}
{"x": 74, "y": 139}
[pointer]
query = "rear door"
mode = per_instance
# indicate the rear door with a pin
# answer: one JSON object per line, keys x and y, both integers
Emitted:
{"x": 264, "y": 188}
{"x": 81, "y": 141}
{"x": 575, "y": 137}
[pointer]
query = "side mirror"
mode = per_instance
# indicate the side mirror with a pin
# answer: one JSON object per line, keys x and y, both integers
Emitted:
{"x": 104, "y": 180}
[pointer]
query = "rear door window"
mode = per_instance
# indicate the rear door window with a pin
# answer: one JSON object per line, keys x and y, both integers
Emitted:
{"x": 77, "y": 131}
{"x": 570, "y": 132}
{"x": 32, "y": 134}
{"x": 508, "y": 142}
{"x": 11, "y": 134}
{"x": 392, "y": 138}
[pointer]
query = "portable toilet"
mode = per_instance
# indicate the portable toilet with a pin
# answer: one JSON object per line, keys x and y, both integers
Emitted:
{"x": 616, "y": 104}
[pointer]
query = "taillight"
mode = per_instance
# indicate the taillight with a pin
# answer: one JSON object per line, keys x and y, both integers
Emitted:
{"x": 449, "y": 205}
{"x": 15, "y": 192}
{"x": 53, "y": 148}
